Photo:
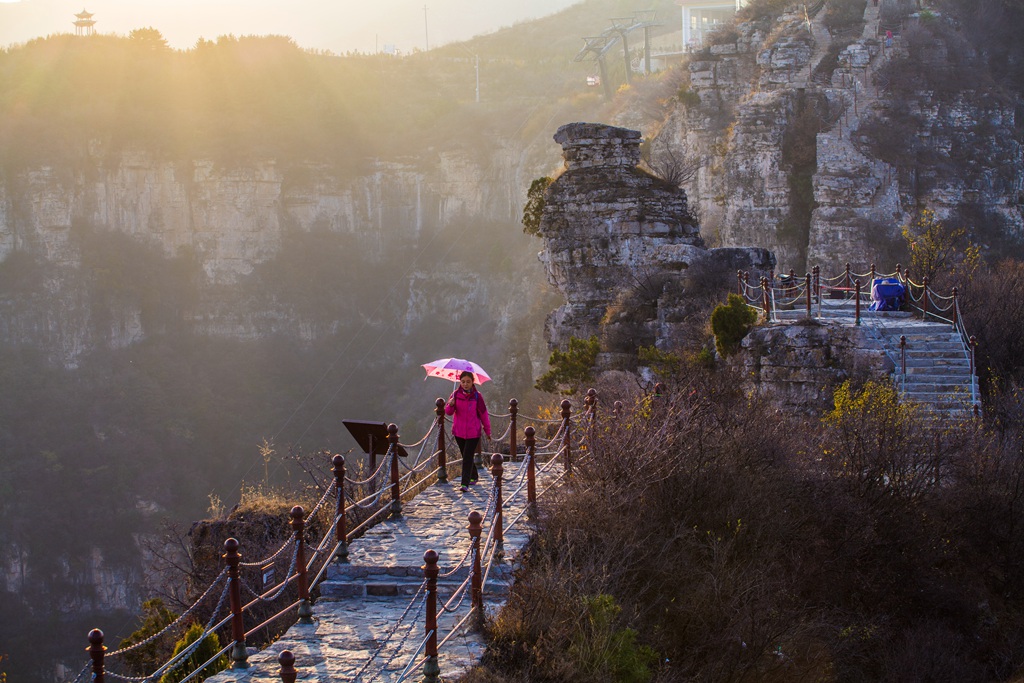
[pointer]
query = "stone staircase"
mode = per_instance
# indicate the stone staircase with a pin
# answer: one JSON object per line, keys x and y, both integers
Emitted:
{"x": 938, "y": 375}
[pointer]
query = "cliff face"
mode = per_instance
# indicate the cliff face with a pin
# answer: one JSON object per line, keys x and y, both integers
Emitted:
{"x": 881, "y": 148}
{"x": 222, "y": 225}
{"x": 622, "y": 247}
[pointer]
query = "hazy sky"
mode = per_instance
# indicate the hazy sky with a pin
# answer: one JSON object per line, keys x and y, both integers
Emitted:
{"x": 336, "y": 25}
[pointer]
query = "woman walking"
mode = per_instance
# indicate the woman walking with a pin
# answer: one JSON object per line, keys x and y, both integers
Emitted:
{"x": 470, "y": 415}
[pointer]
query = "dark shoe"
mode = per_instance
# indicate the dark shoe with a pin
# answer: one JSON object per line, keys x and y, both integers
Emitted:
{"x": 462, "y": 488}
{"x": 472, "y": 481}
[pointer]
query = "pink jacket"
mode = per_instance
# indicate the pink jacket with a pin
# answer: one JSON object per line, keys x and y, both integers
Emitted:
{"x": 470, "y": 413}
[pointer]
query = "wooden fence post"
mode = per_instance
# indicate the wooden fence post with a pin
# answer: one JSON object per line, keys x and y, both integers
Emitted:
{"x": 96, "y": 650}
{"x": 239, "y": 655}
{"x": 341, "y": 530}
{"x": 287, "y": 661}
{"x": 442, "y": 456}
{"x": 431, "y": 670}
{"x": 513, "y": 447}
{"x": 816, "y": 273}
{"x": 765, "y": 302}
{"x": 396, "y": 493}
{"x": 477, "y": 598}
{"x": 531, "y": 469}
{"x": 298, "y": 525}
{"x": 955, "y": 310}
{"x": 807, "y": 286}
{"x": 497, "y": 470}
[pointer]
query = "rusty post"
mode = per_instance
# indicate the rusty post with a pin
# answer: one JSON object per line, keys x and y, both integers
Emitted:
{"x": 513, "y": 447}
{"x": 816, "y": 273}
{"x": 96, "y": 650}
{"x": 287, "y": 661}
{"x": 476, "y": 584}
{"x": 298, "y": 525}
{"x": 765, "y": 303}
{"x": 531, "y": 468}
{"x": 807, "y": 286}
{"x": 567, "y": 436}
{"x": 924, "y": 299}
{"x": 239, "y": 655}
{"x": 873, "y": 272}
{"x": 396, "y": 493}
{"x": 341, "y": 530}
{"x": 431, "y": 670}
{"x": 792, "y": 281}
{"x": 955, "y": 312}
{"x": 856, "y": 306}
{"x": 739, "y": 282}
{"x": 497, "y": 470}
{"x": 442, "y": 457}
{"x": 899, "y": 272}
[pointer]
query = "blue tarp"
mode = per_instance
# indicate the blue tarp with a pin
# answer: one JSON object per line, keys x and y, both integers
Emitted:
{"x": 886, "y": 294}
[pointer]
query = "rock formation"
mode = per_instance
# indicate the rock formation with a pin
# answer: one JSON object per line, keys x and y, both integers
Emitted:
{"x": 622, "y": 246}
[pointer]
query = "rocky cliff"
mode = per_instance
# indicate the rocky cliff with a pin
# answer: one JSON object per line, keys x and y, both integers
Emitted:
{"x": 622, "y": 246}
{"x": 881, "y": 145}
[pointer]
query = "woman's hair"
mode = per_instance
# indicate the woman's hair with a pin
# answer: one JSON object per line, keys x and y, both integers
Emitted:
{"x": 466, "y": 373}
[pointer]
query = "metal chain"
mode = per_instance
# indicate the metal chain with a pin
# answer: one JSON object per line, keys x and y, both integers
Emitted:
{"x": 165, "y": 629}
{"x": 390, "y": 634}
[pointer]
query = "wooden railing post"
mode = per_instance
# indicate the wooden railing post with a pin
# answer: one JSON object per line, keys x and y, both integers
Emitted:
{"x": 96, "y": 650}
{"x": 531, "y": 468}
{"x": 298, "y": 525}
{"x": 287, "y": 661}
{"x": 816, "y": 273}
{"x": 341, "y": 530}
{"x": 807, "y": 286}
{"x": 396, "y": 493}
{"x": 497, "y": 470}
{"x": 476, "y": 584}
{"x": 848, "y": 280}
{"x": 739, "y": 282}
{"x": 591, "y": 410}
{"x": 239, "y": 655}
{"x": 442, "y": 456}
{"x": 924, "y": 299}
{"x": 955, "y": 311}
{"x": 871, "y": 282}
{"x": 765, "y": 302}
{"x": 567, "y": 435}
{"x": 856, "y": 292}
{"x": 513, "y": 447}
{"x": 431, "y": 669}
{"x": 899, "y": 272}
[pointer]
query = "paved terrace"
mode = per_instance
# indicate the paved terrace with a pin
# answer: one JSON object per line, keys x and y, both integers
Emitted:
{"x": 358, "y": 630}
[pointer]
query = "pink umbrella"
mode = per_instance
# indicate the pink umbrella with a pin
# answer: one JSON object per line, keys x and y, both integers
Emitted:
{"x": 451, "y": 368}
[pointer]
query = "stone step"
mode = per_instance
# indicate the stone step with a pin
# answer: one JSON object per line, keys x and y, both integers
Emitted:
{"x": 940, "y": 367}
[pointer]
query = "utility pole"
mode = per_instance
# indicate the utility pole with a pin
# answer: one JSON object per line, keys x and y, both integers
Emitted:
{"x": 426, "y": 31}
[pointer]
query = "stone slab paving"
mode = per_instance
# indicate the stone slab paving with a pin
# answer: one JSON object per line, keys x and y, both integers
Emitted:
{"x": 362, "y": 601}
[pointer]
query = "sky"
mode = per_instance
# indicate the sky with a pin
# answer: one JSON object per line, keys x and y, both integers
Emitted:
{"x": 336, "y": 25}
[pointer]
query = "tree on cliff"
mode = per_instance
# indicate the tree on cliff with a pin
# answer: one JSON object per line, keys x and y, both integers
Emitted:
{"x": 571, "y": 368}
{"x": 534, "y": 208}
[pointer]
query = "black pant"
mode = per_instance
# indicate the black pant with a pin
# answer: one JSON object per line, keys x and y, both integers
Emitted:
{"x": 468, "y": 448}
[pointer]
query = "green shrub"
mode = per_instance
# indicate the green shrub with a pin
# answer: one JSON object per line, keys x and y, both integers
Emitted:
{"x": 534, "y": 208}
{"x": 608, "y": 653}
{"x": 570, "y": 368}
{"x": 687, "y": 97}
{"x": 662, "y": 363}
{"x": 207, "y": 649}
{"x": 731, "y": 322}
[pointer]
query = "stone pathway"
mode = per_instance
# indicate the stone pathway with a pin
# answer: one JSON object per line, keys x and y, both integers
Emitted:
{"x": 362, "y": 601}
